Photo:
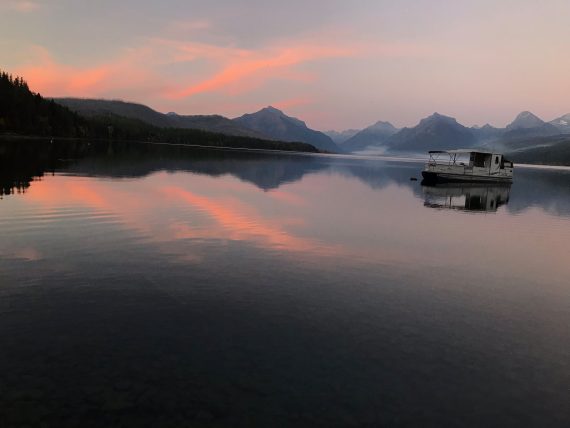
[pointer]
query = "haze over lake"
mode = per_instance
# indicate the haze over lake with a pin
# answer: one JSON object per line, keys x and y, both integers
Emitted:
{"x": 148, "y": 285}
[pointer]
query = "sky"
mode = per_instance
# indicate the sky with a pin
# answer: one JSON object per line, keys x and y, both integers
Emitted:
{"x": 334, "y": 64}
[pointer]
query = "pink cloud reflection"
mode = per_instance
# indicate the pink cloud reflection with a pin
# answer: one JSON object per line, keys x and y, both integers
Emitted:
{"x": 159, "y": 219}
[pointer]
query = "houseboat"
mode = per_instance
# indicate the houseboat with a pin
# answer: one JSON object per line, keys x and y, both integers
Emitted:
{"x": 467, "y": 165}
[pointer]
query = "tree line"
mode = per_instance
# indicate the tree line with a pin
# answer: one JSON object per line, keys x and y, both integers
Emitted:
{"x": 25, "y": 112}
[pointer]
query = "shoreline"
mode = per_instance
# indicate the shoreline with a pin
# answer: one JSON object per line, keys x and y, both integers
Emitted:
{"x": 384, "y": 157}
{"x": 9, "y": 137}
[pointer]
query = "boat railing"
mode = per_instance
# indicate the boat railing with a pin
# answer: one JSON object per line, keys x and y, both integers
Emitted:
{"x": 454, "y": 166}
{"x": 436, "y": 161}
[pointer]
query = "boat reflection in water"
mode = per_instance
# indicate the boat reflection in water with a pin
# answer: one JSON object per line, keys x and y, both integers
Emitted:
{"x": 475, "y": 197}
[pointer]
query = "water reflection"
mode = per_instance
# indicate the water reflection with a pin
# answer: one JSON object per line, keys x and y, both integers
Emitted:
{"x": 22, "y": 162}
{"x": 145, "y": 285}
{"x": 466, "y": 196}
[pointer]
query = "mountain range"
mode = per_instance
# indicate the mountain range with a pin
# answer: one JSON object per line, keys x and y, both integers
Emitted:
{"x": 276, "y": 124}
{"x": 562, "y": 123}
{"x": 528, "y": 125}
{"x": 268, "y": 123}
{"x": 435, "y": 132}
{"x": 213, "y": 123}
{"x": 375, "y": 134}
{"x": 340, "y": 137}
{"x": 440, "y": 132}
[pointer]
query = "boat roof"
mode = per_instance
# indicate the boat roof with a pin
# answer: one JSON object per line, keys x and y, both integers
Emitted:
{"x": 461, "y": 151}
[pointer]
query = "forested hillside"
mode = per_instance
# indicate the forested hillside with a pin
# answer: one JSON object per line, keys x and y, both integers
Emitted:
{"x": 23, "y": 112}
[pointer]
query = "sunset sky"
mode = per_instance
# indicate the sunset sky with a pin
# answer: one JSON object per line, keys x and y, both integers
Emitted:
{"x": 334, "y": 64}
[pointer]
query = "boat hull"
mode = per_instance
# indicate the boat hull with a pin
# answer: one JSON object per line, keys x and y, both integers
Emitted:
{"x": 443, "y": 177}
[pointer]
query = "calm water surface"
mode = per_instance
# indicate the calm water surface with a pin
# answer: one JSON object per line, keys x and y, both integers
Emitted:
{"x": 163, "y": 286}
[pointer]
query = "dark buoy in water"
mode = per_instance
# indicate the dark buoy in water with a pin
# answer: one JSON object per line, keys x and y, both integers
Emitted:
{"x": 413, "y": 179}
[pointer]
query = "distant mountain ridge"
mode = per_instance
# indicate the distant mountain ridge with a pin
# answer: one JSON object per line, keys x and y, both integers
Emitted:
{"x": 213, "y": 123}
{"x": 487, "y": 133}
{"x": 435, "y": 132}
{"x": 525, "y": 120}
{"x": 527, "y": 125}
{"x": 374, "y": 135}
{"x": 562, "y": 123}
{"x": 340, "y": 137}
{"x": 276, "y": 124}
{"x": 440, "y": 132}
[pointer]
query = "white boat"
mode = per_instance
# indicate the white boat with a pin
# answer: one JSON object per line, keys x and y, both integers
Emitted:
{"x": 467, "y": 165}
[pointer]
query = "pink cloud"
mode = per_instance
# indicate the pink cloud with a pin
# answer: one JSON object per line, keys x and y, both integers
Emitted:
{"x": 139, "y": 69}
{"x": 150, "y": 72}
{"x": 23, "y": 6}
{"x": 245, "y": 67}
{"x": 51, "y": 78}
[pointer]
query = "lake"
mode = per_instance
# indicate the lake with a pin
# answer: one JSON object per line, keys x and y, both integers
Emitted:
{"x": 148, "y": 285}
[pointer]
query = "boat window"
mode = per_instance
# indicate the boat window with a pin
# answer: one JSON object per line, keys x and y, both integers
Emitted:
{"x": 497, "y": 160}
{"x": 479, "y": 159}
